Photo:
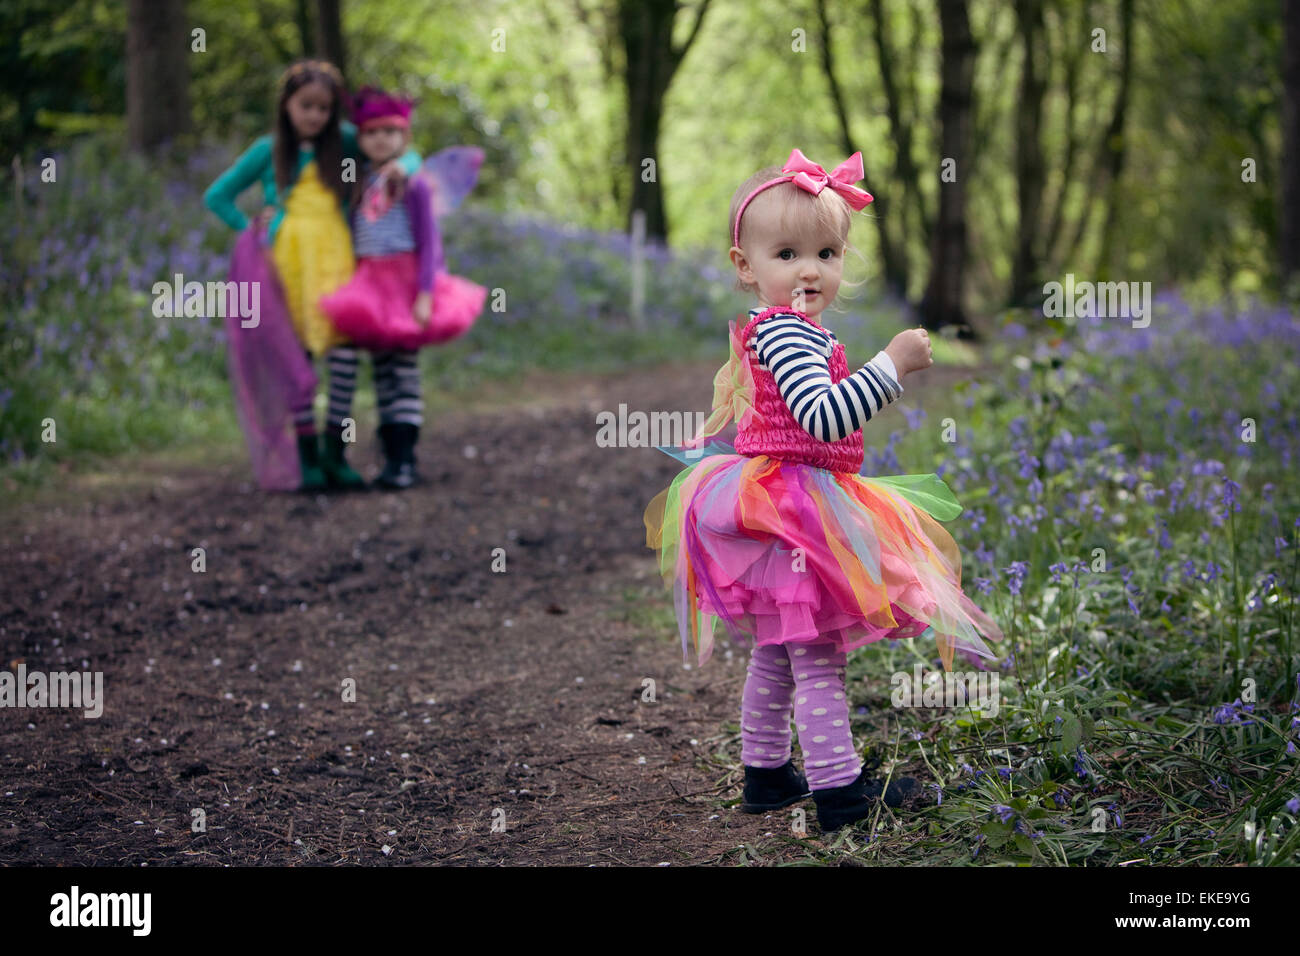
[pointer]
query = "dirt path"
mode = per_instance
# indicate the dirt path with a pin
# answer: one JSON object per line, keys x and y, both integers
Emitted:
{"x": 481, "y": 697}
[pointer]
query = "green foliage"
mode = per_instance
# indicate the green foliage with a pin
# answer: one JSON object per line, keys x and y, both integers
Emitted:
{"x": 549, "y": 108}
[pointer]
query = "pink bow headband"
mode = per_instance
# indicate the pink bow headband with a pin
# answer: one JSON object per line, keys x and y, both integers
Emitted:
{"x": 807, "y": 175}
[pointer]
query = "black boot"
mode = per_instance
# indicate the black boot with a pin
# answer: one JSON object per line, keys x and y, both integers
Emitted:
{"x": 771, "y": 788}
{"x": 399, "y": 440}
{"x": 857, "y": 800}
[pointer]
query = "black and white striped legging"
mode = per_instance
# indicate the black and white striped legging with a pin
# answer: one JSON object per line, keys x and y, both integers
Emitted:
{"x": 342, "y": 362}
{"x": 397, "y": 387}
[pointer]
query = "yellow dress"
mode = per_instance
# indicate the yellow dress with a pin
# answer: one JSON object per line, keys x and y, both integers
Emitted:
{"x": 313, "y": 254}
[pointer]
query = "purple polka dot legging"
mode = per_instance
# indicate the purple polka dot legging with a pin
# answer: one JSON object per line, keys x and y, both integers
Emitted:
{"x": 812, "y": 678}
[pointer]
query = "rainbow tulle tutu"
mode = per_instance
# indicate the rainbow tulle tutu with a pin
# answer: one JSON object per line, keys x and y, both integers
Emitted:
{"x": 786, "y": 553}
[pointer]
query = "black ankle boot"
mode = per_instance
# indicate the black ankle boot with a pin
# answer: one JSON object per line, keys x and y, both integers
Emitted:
{"x": 855, "y": 801}
{"x": 399, "y": 440}
{"x": 771, "y": 788}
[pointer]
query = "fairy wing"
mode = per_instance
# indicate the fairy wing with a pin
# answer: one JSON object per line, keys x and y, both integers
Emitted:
{"x": 451, "y": 173}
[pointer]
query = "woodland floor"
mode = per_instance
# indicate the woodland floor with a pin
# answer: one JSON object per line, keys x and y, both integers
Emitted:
{"x": 481, "y": 696}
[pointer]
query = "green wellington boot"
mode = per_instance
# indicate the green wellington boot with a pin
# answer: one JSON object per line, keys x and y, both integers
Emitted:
{"x": 338, "y": 473}
{"x": 313, "y": 479}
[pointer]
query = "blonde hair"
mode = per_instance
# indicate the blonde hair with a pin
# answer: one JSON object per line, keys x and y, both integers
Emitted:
{"x": 825, "y": 214}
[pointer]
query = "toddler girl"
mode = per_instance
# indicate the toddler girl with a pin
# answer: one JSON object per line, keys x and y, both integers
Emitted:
{"x": 780, "y": 537}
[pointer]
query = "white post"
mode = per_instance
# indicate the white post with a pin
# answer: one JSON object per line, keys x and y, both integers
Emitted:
{"x": 638, "y": 269}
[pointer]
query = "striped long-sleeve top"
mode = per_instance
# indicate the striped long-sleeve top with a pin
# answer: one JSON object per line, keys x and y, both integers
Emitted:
{"x": 408, "y": 226}
{"x": 797, "y": 354}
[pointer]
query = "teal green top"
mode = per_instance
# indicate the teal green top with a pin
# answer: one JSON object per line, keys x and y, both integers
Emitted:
{"x": 257, "y": 163}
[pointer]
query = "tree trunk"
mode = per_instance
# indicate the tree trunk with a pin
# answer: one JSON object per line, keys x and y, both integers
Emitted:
{"x": 157, "y": 72}
{"x": 1289, "y": 213}
{"x": 1026, "y": 264}
{"x": 302, "y": 18}
{"x": 907, "y": 178}
{"x": 646, "y": 29}
{"x": 1114, "y": 143}
{"x": 942, "y": 303}
{"x": 1072, "y": 58}
{"x": 893, "y": 256}
{"x": 329, "y": 33}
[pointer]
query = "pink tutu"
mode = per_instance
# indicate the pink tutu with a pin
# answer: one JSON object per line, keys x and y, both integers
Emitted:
{"x": 374, "y": 309}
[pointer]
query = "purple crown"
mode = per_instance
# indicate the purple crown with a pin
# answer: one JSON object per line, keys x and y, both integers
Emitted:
{"x": 370, "y": 105}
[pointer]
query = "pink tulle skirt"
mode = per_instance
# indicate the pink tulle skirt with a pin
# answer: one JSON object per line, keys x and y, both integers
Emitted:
{"x": 374, "y": 309}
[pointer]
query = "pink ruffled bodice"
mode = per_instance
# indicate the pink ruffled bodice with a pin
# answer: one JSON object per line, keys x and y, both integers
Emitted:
{"x": 773, "y": 430}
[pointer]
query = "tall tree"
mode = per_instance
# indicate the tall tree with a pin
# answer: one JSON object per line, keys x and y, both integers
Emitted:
{"x": 1116, "y": 143}
{"x": 329, "y": 33}
{"x": 1289, "y": 213}
{"x": 1025, "y": 264}
{"x": 157, "y": 72}
{"x": 302, "y": 17}
{"x": 907, "y": 179}
{"x": 1071, "y": 59}
{"x": 893, "y": 253}
{"x": 646, "y": 30}
{"x": 942, "y": 303}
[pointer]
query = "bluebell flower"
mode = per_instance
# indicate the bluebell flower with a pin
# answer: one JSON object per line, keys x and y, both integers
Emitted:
{"x": 1230, "y": 489}
{"x": 1016, "y": 574}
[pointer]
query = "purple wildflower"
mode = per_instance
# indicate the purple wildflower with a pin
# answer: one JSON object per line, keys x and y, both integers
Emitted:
{"x": 1016, "y": 574}
{"x": 1230, "y": 489}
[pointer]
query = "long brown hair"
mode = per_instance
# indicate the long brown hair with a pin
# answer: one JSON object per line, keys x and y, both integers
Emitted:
{"x": 329, "y": 143}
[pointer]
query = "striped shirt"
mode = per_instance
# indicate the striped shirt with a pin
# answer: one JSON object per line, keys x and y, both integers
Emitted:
{"x": 797, "y": 354}
{"x": 389, "y": 234}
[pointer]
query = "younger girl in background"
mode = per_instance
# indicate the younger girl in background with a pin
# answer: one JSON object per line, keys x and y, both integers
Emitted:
{"x": 780, "y": 537}
{"x": 401, "y": 297}
{"x": 301, "y": 168}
